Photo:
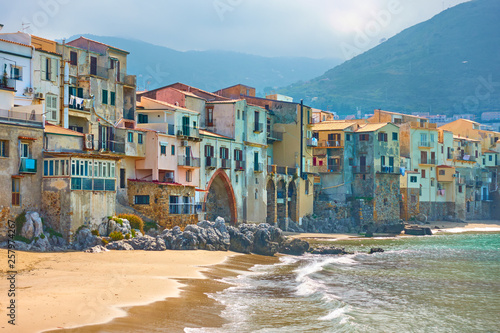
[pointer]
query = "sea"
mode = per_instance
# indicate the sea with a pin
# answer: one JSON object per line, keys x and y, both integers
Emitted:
{"x": 439, "y": 283}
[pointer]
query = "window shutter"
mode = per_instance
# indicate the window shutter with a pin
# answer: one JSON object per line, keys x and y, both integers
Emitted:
{"x": 43, "y": 67}
{"x": 53, "y": 70}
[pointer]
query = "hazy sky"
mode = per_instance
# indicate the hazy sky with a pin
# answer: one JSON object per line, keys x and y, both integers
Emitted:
{"x": 312, "y": 28}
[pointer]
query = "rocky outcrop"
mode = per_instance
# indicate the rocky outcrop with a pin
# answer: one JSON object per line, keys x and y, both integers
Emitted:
{"x": 294, "y": 246}
{"x": 329, "y": 250}
{"x": 84, "y": 239}
{"x": 375, "y": 250}
{"x": 33, "y": 226}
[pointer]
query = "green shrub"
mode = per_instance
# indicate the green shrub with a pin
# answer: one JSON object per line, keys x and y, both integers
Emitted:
{"x": 119, "y": 221}
{"x": 150, "y": 225}
{"x": 127, "y": 236}
{"x": 135, "y": 221}
{"x": 80, "y": 228}
{"x": 42, "y": 236}
{"x": 52, "y": 232}
{"x": 22, "y": 239}
{"x": 95, "y": 232}
{"x": 116, "y": 235}
{"x": 133, "y": 233}
{"x": 20, "y": 220}
{"x": 105, "y": 241}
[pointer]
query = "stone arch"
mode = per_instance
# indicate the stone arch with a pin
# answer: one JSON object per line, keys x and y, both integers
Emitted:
{"x": 281, "y": 199}
{"x": 220, "y": 199}
{"x": 271, "y": 202}
{"x": 292, "y": 202}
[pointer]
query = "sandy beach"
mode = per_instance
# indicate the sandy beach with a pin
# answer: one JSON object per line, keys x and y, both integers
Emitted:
{"x": 63, "y": 290}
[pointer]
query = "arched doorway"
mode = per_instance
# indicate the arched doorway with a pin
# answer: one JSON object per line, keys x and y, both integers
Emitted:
{"x": 281, "y": 203}
{"x": 292, "y": 202}
{"x": 220, "y": 199}
{"x": 271, "y": 202}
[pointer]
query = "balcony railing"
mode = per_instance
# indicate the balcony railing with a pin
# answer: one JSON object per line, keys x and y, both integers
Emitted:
{"x": 427, "y": 161}
{"x": 28, "y": 165}
{"x": 312, "y": 142}
{"x": 425, "y": 144}
{"x": 111, "y": 146}
{"x": 331, "y": 143}
{"x": 99, "y": 71}
{"x": 327, "y": 168}
{"x": 225, "y": 164}
{"x": 210, "y": 162}
{"x": 291, "y": 171}
{"x": 239, "y": 165}
{"x": 188, "y": 161}
{"x": 361, "y": 169}
{"x": 20, "y": 117}
{"x": 465, "y": 157}
{"x": 188, "y": 131}
{"x": 387, "y": 169}
{"x": 7, "y": 83}
{"x": 274, "y": 136}
{"x": 258, "y": 167}
{"x": 258, "y": 127}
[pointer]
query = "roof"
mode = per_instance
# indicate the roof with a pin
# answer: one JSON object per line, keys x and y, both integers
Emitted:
{"x": 463, "y": 138}
{"x": 94, "y": 41}
{"x": 9, "y": 41}
{"x": 444, "y": 166}
{"x": 172, "y": 106}
{"x": 229, "y": 101}
{"x": 401, "y": 114}
{"x": 208, "y": 133}
{"x": 52, "y": 129}
{"x": 371, "y": 127}
{"x": 331, "y": 125}
{"x": 490, "y": 152}
{"x": 187, "y": 93}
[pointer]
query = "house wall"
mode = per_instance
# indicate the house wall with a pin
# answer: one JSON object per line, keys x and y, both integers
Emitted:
{"x": 18, "y": 55}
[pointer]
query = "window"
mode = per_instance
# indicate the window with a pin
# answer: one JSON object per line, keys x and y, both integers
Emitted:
{"x": 256, "y": 180}
{"x": 25, "y": 150}
{"x": 16, "y": 72}
{"x": 382, "y": 160}
{"x": 364, "y": 137}
{"x": 141, "y": 199}
{"x": 4, "y": 148}
{"x": 51, "y": 107}
{"x": 93, "y": 65}
{"x": 423, "y": 173}
{"x": 242, "y": 115}
{"x": 256, "y": 194}
{"x": 441, "y": 172}
{"x": 490, "y": 158}
{"x": 209, "y": 151}
{"x": 348, "y": 137}
{"x": 104, "y": 96}
{"x": 112, "y": 97}
{"x": 49, "y": 68}
{"x": 210, "y": 116}
{"x": 73, "y": 58}
{"x": 382, "y": 137}
{"x": 432, "y": 183}
{"x": 224, "y": 153}
{"x": 139, "y": 138}
{"x": 58, "y": 167}
{"x": 189, "y": 176}
{"x": 236, "y": 179}
{"x": 16, "y": 192}
{"x": 174, "y": 205}
{"x": 172, "y": 150}
{"x": 413, "y": 179}
{"x": 395, "y": 136}
{"x": 238, "y": 114}
{"x": 459, "y": 188}
{"x": 307, "y": 186}
{"x": 432, "y": 137}
{"x": 142, "y": 118}
{"x": 92, "y": 175}
{"x": 163, "y": 149}
{"x": 391, "y": 161}
{"x": 238, "y": 155}
{"x": 130, "y": 136}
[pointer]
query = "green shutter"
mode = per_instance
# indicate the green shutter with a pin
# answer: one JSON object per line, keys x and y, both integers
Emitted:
{"x": 104, "y": 96}
{"x": 112, "y": 97}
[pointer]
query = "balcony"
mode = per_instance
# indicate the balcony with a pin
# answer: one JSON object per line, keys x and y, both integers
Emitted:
{"x": 185, "y": 208}
{"x": 225, "y": 163}
{"x": 331, "y": 144}
{"x": 274, "y": 136}
{"x": 387, "y": 169}
{"x": 7, "y": 84}
{"x": 258, "y": 127}
{"x": 466, "y": 158}
{"x": 21, "y": 117}
{"x": 258, "y": 167}
{"x": 210, "y": 162}
{"x": 312, "y": 142}
{"x": 470, "y": 182}
{"x": 239, "y": 165}
{"x": 188, "y": 131}
{"x": 99, "y": 71}
{"x": 187, "y": 161}
{"x": 361, "y": 169}
{"x": 427, "y": 161}
{"x": 111, "y": 146}
{"x": 28, "y": 165}
{"x": 327, "y": 168}
{"x": 425, "y": 144}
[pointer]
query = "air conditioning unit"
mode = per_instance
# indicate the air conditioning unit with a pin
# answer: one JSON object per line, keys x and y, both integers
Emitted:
{"x": 89, "y": 141}
{"x": 184, "y": 143}
{"x": 39, "y": 95}
{"x": 179, "y": 132}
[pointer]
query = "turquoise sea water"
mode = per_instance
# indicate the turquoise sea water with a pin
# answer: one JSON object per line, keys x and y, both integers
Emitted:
{"x": 440, "y": 283}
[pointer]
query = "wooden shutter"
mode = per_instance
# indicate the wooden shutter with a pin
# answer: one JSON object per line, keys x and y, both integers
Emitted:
{"x": 43, "y": 67}
{"x": 53, "y": 70}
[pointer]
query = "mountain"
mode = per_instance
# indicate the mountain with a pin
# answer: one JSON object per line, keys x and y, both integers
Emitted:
{"x": 446, "y": 65}
{"x": 157, "y": 66}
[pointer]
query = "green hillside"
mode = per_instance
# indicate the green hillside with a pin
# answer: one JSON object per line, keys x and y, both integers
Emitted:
{"x": 442, "y": 65}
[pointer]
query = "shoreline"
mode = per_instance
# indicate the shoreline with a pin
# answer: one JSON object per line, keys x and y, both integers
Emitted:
{"x": 75, "y": 289}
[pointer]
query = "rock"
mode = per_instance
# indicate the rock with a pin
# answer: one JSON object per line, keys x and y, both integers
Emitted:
{"x": 375, "y": 250}
{"x": 418, "y": 231}
{"x": 329, "y": 250}
{"x": 368, "y": 234}
{"x": 96, "y": 249}
{"x": 263, "y": 243}
{"x": 421, "y": 218}
{"x": 28, "y": 230}
{"x": 294, "y": 246}
{"x": 119, "y": 245}
{"x": 41, "y": 244}
{"x": 240, "y": 242}
{"x": 21, "y": 246}
{"x": 84, "y": 239}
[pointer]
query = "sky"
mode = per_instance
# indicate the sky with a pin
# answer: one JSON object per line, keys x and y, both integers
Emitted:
{"x": 313, "y": 28}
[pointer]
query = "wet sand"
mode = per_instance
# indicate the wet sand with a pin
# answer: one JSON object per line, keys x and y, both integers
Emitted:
{"x": 72, "y": 289}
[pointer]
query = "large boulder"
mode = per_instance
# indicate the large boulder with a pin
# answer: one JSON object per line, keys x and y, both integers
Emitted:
{"x": 240, "y": 242}
{"x": 119, "y": 245}
{"x": 96, "y": 249}
{"x": 84, "y": 239}
{"x": 41, "y": 244}
{"x": 329, "y": 250}
{"x": 294, "y": 246}
{"x": 263, "y": 241}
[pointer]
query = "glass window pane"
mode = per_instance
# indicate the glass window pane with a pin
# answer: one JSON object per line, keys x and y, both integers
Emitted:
{"x": 45, "y": 168}
{"x": 56, "y": 167}
{"x": 51, "y": 168}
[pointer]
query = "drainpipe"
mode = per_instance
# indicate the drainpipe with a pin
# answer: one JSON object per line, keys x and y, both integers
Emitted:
{"x": 301, "y": 138}
{"x": 65, "y": 120}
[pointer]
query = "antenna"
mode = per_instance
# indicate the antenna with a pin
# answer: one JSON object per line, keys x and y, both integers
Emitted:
{"x": 25, "y": 26}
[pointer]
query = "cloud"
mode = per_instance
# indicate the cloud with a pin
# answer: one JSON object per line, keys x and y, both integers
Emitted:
{"x": 315, "y": 28}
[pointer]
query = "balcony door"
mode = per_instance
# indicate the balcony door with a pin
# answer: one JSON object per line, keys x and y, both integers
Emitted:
{"x": 362, "y": 163}
{"x": 188, "y": 155}
{"x": 185, "y": 126}
{"x": 423, "y": 157}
